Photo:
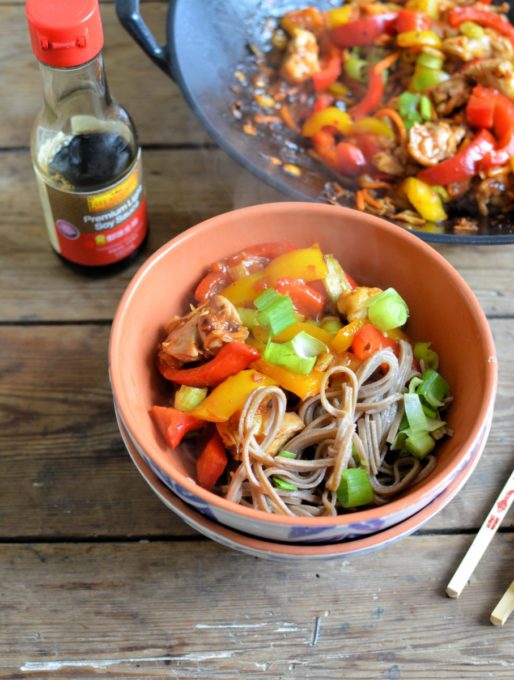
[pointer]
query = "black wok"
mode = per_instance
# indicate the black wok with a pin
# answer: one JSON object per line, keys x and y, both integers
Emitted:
{"x": 207, "y": 40}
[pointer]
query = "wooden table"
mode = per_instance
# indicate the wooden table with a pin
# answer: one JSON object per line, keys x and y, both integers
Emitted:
{"x": 97, "y": 578}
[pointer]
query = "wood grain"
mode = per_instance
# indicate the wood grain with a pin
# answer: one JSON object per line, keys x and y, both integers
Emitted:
{"x": 66, "y": 474}
{"x": 197, "y": 610}
{"x": 153, "y": 100}
{"x": 184, "y": 187}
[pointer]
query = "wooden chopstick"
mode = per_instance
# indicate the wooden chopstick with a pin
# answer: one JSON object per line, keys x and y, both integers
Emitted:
{"x": 504, "y": 608}
{"x": 482, "y": 539}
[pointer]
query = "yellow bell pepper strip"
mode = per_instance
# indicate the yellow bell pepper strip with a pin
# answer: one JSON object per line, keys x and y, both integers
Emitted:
{"x": 329, "y": 117}
{"x": 305, "y": 263}
{"x": 373, "y": 126}
{"x": 429, "y": 7}
{"x": 344, "y": 337}
{"x": 310, "y": 328}
{"x": 338, "y": 90}
{"x": 304, "y": 386}
{"x": 230, "y": 396}
{"x": 423, "y": 197}
{"x": 418, "y": 39}
{"x": 339, "y": 16}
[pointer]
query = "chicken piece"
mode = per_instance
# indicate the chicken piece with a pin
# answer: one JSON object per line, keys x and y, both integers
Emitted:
{"x": 202, "y": 333}
{"x": 301, "y": 59}
{"x": 450, "y": 94}
{"x": 490, "y": 44}
{"x": 430, "y": 143}
{"x": 387, "y": 162}
{"x": 353, "y": 303}
{"x": 496, "y": 73}
{"x": 229, "y": 433}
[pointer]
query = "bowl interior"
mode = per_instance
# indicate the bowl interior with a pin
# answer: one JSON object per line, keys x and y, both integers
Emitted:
{"x": 443, "y": 310}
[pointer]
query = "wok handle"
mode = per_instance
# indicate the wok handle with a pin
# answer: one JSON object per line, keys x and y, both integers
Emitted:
{"x": 130, "y": 18}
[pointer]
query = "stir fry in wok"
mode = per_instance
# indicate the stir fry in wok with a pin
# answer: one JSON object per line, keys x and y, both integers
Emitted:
{"x": 409, "y": 106}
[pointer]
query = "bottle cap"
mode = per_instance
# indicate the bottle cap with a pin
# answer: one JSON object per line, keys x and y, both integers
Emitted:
{"x": 63, "y": 33}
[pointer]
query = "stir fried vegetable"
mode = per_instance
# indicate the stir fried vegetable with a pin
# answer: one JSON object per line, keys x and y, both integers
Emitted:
{"x": 383, "y": 95}
{"x": 307, "y": 339}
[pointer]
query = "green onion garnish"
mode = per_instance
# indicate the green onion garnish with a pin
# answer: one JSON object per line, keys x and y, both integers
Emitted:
{"x": 331, "y": 324}
{"x": 287, "y": 454}
{"x": 188, "y": 398}
{"x": 388, "y": 310}
{"x": 306, "y": 345}
{"x": 335, "y": 281}
{"x": 433, "y": 388}
{"x": 283, "y": 354}
{"x": 423, "y": 353}
{"x": 355, "y": 488}
{"x": 283, "y": 484}
{"x": 414, "y": 412}
{"x": 425, "y": 107}
{"x": 276, "y": 311}
{"x": 419, "y": 444}
{"x": 354, "y": 67}
{"x": 431, "y": 60}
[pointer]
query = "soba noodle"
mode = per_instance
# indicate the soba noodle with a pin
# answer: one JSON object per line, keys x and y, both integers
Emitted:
{"x": 353, "y": 421}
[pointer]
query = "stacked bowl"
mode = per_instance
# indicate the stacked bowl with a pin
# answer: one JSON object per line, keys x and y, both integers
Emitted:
{"x": 443, "y": 309}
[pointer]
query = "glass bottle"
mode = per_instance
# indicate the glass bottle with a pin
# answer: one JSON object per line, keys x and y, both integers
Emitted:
{"x": 84, "y": 146}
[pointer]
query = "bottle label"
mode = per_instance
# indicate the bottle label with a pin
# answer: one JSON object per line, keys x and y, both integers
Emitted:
{"x": 100, "y": 227}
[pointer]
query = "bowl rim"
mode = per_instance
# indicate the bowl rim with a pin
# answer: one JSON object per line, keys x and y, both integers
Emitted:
{"x": 433, "y": 483}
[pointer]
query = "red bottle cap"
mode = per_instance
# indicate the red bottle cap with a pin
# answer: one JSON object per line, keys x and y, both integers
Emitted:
{"x": 65, "y": 33}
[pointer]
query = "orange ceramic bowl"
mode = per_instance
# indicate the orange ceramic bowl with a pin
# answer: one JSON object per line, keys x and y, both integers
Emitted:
{"x": 443, "y": 310}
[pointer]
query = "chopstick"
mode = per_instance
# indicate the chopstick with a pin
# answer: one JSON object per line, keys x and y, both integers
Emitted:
{"x": 504, "y": 608}
{"x": 482, "y": 539}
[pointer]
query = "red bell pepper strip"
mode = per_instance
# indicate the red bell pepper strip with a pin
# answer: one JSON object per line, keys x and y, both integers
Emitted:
{"x": 483, "y": 17}
{"x": 463, "y": 165}
{"x": 480, "y": 108}
{"x": 270, "y": 250}
{"x": 363, "y": 31}
{"x": 325, "y": 146}
{"x": 322, "y": 101}
{"x": 306, "y": 300}
{"x": 174, "y": 424}
{"x": 330, "y": 70}
{"x": 232, "y": 358}
{"x": 373, "y": 97}
{"x": 503, "y": 127}
{"x": 370, "y": 340}
{"x": 211, "y": 463}
{"x": 211, "y": 284}
{"x": 409, "y": 20}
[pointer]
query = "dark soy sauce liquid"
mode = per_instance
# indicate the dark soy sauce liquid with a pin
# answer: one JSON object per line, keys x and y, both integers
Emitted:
{"x": 89, "y": 162}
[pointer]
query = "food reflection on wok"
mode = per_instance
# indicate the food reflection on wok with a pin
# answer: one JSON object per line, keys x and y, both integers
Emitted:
{"x": 409, "y": 107}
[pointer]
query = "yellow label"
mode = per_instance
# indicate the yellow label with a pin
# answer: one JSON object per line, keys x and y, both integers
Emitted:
{"x": 115, "y": 195}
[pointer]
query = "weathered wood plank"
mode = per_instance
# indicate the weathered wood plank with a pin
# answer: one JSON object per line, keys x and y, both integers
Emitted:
{"x": 184, "y": 188}
{"x": 153, "y": 100}
{"x": 66, "y": 474}
{"x": 176, "y": 610}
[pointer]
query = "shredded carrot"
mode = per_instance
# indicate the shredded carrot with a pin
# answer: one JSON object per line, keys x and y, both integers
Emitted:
{"x": 262, "y": 118}
{"x": 368, "y": 198}
{"x": 360, "y": 202}
{"x": 288, "y": 119}
{"x": 387, "y": 62}
{"x": 375, "y": 185}
{"x": 396, "y": 118}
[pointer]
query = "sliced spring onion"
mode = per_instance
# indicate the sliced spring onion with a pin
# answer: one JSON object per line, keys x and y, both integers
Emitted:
{"x": 419, "y": 444}
{"x": 283, "y": 484}
{"x": 335, "y": 281}
{"x": 248, "y": 316}
{"x": 408, "y": 107}
{"x": 287, "y": 454}
{"x": 429, "y": 411}
{"x": 355, "y": 67}
{"x": 331, "y": 324}
{"x": 283, "y": 354}
{"x": 414, "y": 384}
{"x": 471, "y": 30}
{"x": 431, "y": 59}
{"x": 276, "y": 311}
{"x": 433, "y": 388}
{"x": 388, "y": 310}
{"x": 188, "y": 398}
{"x": 425, "y": 107}
{"x": 355, "y": 488}
{"x": 306, "y": 345}
{"x": 414, "y": 413}
{"x": 423, "y": 353}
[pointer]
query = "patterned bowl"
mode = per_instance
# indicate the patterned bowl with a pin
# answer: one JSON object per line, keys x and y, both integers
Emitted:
{"x": 257, "y": 547}
{"x": 443, "y": 308}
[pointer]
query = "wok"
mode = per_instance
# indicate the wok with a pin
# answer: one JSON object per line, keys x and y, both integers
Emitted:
{"x": 207, "y": 41}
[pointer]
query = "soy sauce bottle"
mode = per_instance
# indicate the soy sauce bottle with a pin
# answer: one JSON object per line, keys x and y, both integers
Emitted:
{"x": 84, "y": 146}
